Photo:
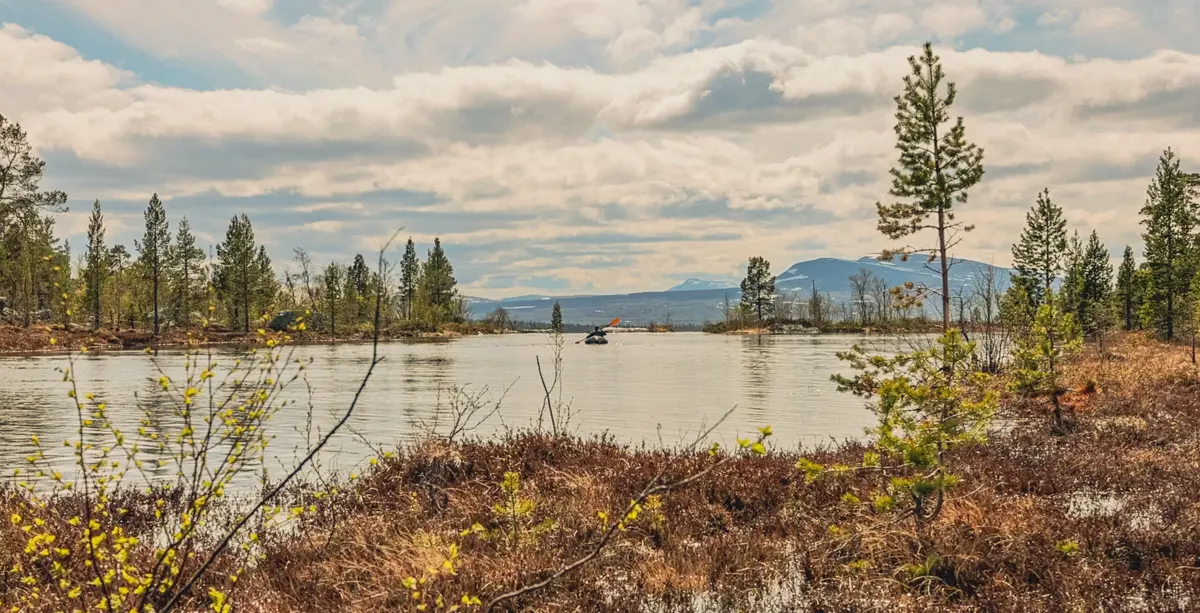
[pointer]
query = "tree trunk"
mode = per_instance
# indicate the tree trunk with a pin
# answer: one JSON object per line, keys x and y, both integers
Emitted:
{"x": 156, "y": 274}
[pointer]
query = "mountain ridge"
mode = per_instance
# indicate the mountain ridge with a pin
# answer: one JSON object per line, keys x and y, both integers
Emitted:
{"x": 701, "y": 304}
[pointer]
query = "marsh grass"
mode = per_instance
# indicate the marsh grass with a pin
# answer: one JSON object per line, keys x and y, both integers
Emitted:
{"x": 1104, "y": 518}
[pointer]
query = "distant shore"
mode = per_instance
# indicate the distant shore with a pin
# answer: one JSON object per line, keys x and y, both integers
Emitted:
{"x": 43, "y": 339}
{"x": 47, "y": 339}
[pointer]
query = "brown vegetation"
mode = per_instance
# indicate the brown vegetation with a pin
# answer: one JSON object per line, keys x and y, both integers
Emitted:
{"x": 1104, "y": 518}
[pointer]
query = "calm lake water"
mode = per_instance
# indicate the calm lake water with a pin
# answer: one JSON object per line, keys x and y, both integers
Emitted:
{"x": 639, "y": 387}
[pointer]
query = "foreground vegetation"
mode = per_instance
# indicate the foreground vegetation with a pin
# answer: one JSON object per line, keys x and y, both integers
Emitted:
{"x": 1102, "y": 519}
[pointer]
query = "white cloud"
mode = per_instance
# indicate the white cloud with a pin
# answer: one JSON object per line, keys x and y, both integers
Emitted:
{"x": 951, "y": 19}
{"x": 1103, "y": 19}
{"x": 607, "y": 141}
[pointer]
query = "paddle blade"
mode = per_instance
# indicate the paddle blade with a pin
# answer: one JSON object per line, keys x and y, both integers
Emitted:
{"x": 614, "y": 322}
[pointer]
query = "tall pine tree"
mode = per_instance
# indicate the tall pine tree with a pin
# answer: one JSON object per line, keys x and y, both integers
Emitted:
{"x": 333, "y": 279}
{"x": 187, "y": 274}
{"x": 758, "y": 288}
{"x": 1170, "y": 218}
{"x": 97, "y": 264}
{"x": 437, "y": 276}
{"x": 937, "y": 167}
{"x": 1126, "y": 289}
{"x": 237, "y": 271}
{"x": 410, "y": 272}
{"x": 266, "y": 284}
{"x": 1095, "y": 287}
{"x": 1038, "y": 257}
{"x": 1072, "y": 285}
{"x": 153, "y": 248}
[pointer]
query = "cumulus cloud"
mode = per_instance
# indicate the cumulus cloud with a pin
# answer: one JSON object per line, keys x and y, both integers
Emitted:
{"x": 643, "y": 139}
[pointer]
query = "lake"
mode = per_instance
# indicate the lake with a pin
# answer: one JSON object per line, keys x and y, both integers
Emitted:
{"x": 639, "y": 388}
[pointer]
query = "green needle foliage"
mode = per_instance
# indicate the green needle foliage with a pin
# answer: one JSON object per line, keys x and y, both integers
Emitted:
{"x": 937, "y": 167}
{"x": 1038, "y": 257}
{"x": 1170, "y": 219}
{"x": 758, "y": 288}
{"x": 153, "y": 251}
{"x": 1127, "y": 287}
{"x": 1038, "y": 355}
{"x": 926, "y": 401}
{"x": 96, "y": 259}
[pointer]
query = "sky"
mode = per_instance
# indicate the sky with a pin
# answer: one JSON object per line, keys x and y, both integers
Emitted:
{"x": 588, "y": 146}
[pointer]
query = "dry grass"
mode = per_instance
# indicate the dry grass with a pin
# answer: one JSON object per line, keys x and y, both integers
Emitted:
{"x": 1104, "y": 518}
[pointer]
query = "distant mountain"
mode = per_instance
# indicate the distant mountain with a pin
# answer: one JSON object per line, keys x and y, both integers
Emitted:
{"x": 833, "y": 274}
{"x": 692, "y": 285}
{"x": 691, "y": 302}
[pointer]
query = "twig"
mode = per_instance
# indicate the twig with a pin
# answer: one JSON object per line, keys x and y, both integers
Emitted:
{"x": 224, "y": 542}
{"x": 651, "y": 489}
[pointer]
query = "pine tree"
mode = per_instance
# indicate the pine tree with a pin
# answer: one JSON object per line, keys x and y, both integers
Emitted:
{"x": 1038, "y": 257}
{"x": 333, "y": 279}
{"x": 437, "y": 276}
{"x": 1072, "y": 285}
{"x": 937, "y": 167}
{"x": 1126, "y": 289}
{"x": 237, "y": 272}
{"x": 1095, "y": 287}
{"x": 410, "y": 272}
{"x": 187, "y": 273}
{"x": 556, "y": 323}
{"x": 1037, "y": 355}
{"x": 359, "y": 275}
{"x": 27, "y": 242}
{"x": 1170, "y": 218}
{"x": 97, "y": 264}
{"x": 152, "y": 251}
{"x": 758, "y": 288}
{"x": 266, "y": 284}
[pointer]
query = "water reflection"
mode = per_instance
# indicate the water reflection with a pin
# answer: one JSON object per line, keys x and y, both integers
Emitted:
{"x": 757, "y": 362}
{"x": 627, "y": 388}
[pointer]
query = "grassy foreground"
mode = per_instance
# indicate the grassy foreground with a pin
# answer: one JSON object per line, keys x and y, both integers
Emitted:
{"x": 1106, "y": 517}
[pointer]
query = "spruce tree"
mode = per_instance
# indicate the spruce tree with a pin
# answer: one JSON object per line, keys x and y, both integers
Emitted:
{"x": 758, "y": 288}
{"x": 236, "y": 269}
{"x": 556, "y": 323}
{"x": 266, "y": 284}
{"x": 1038, "y": 257}
{"x": 410, "y": 272}
{"x": 437, "y": 275}
{"x": 1125, "y": 287}
{"x": 187, "y": 273}
{"x": 937, "y": 167}
{"x": 1072, "y": 285}
{"x": 97, "y": 264}
{"x": 1170, "y": 218}
{"x": 1095, "y": 287}
{"x": 153, "y": 248}
{"x": 333, "y": 293}
{"x": 359, "y": 275}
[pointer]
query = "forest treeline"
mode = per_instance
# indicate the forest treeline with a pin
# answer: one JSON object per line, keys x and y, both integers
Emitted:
{"x": 166, "y": 279}
{"x": 1160, "y": 293}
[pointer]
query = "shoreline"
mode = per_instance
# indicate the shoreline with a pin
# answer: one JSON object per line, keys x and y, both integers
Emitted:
{"x": 16, "y": 341}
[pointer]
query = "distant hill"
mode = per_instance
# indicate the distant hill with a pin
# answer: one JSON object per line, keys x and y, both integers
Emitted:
{"x": 833, "y": 274}
{"x": 692, "y": 285}
{"x": 693, "y": 303}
